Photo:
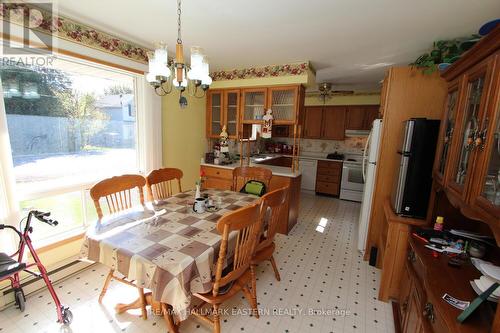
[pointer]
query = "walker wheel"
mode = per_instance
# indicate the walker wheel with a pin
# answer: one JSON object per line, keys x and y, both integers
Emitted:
{"x": 67, "y": 315}
{"x": 20, "y": 299}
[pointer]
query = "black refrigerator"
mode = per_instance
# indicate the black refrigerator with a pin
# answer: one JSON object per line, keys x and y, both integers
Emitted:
{"x": 412, "y": 187}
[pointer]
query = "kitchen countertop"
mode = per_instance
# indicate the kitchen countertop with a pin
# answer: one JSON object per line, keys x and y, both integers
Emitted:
{"x": 277, "y": 170}
{"x": 318, "y": 157}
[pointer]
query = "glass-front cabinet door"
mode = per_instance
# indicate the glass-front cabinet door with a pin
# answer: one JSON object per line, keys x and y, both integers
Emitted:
{"x": 215, "y": 116}
{"x": 231, "y": 107}
{"x": 468, "y": 132}
{"x": 447, "y": 131}
{"x": 283, "y": 103}
{"x": 491, "y": 181}
{"x": 254, "y": 104}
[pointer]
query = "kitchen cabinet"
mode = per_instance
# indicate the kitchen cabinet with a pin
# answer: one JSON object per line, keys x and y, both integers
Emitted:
{"x": 324, "y": 122}
{"x": 468, "y": 156}
{"x": 328, "y": 176}
{"x": 361, "y": 117}
{"x": 313, "y": 118}
{"x": 284, "y": 101}
{"x": 222, "y": 110}
{"x": 222, "y": 178}
{"x": 333, "y": 123}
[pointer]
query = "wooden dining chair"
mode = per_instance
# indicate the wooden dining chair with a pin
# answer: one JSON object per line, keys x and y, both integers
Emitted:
{"x": 117, "y": 192}
{"x": 247, "y": 223}
{"x": 271, "y": 207}
{"x": 159, "y": 183}
{"x": 241, "y": 175}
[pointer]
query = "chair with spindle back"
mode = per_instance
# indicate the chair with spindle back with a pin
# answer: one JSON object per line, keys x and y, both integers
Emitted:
{"x": 117, "y": 192}
{"x": 271, "y": 208}
{"x": 241, "y": 175}
{"x": 247, "y": 223}
{"x": 159, "y": 183}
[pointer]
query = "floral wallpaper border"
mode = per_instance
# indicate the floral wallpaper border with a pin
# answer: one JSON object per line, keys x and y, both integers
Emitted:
{"x": 259, "y": 72}
{"x": 70, "y": 30}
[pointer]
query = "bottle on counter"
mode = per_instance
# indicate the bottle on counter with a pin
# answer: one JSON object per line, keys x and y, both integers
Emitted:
{"x": 439, "y": 223}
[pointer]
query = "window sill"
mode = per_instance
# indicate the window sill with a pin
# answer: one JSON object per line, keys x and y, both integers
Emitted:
{"x": 51, "y": 243}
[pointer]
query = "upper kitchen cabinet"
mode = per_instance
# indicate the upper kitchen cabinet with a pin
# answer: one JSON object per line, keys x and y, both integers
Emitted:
{"x": 468, "y": 155}
{"x": 215, "y": 118}
{"x": 254, "y": 103}
{"x": 231, "y": 111}
{"x": 222, "y": 110}
{"x": 334, "y": 118}
{"x": 361, "y": 117}
{"x": 284, "y": 101}
{"x": 324, "y": 122}
{"x": 313, "y": 118}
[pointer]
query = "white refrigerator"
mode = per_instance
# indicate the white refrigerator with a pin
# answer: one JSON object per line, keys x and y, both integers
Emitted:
{"x": 370, "y": 156}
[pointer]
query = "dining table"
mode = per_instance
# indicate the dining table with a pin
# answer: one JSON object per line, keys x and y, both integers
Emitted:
{"x": 164, "y": 247}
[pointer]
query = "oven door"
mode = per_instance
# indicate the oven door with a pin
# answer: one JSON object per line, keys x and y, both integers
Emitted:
{"x": 352, "y": 177}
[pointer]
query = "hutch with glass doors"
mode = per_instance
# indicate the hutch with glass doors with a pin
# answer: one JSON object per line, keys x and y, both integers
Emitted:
{"x": 467, "y": 164}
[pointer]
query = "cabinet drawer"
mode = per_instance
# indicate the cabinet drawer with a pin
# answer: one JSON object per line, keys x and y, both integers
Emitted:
{"x": 329, "y": 171}
{"x": 327, "y": 188}
{"x": 218, "y": 172}
{"x": 328, "y": 178}
{"x": 329, "y": 164}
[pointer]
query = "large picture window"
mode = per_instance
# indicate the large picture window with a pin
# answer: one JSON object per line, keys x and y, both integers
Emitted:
{"x": 70, "y": 124}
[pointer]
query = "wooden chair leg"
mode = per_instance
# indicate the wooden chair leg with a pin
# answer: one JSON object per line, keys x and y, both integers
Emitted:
{"x": 275, "y": 268}
{"x": 106, "y": 284}
{"x": 171, "y": 326}
{"x": 254, "y": 291}
{"x": 216, "y": 318}
{"x": 142, "y": 297}
{"x": 253, "y": 302}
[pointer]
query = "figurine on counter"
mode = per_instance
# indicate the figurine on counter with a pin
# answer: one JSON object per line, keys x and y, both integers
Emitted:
{"x": 224, "y": 147}
{"x": 268, "y": 124}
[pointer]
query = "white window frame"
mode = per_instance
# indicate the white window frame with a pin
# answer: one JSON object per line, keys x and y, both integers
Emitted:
{"x": 140, "y": 126}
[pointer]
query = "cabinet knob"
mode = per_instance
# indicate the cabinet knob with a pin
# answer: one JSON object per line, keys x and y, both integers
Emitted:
{"x": 429, "y": 311}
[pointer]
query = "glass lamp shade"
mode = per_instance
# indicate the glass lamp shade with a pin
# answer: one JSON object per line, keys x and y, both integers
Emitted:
{"x": 206, "y": 80}
{"x": 151, "y": 78}
{"x": 196, "y": 63}
{"x": 184, "y": 81}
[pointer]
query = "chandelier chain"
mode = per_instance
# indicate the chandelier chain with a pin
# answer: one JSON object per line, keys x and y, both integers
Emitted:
{"x": 179, "y": 11}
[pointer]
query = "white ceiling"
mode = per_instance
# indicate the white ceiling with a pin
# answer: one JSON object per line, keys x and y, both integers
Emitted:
{"x": 349, "y": 42}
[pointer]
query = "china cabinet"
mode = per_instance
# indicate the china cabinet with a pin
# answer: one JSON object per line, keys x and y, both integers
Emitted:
{"x": 467, "y": 163}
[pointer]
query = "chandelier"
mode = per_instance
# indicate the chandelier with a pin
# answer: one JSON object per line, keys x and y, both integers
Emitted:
{"x": 164, "y": 75}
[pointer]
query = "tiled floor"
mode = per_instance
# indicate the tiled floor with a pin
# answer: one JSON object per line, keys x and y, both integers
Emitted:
{"x": 320, "y": 271}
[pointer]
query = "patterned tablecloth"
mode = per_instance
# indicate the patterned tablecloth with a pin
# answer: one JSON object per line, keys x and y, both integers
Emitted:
{"x": 166, "y": 248}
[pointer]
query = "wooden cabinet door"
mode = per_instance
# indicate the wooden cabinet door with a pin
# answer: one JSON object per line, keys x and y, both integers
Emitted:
{"x": 413, "y": 322}
{"x": 355, "y": 117}
{"x": 334, "y": 118}
{"x": 231, "y": 111}
{"x": 404, "y": 295}
{"x": 312, "y": 122}
{"x": 284, "y": 103}
{"x": 215, "y": 116}
{"x": 253, "y": 104}
{"x": 446, "y": 131}
{"x": 371, "y": 113}
{"x": 476, "y": 95}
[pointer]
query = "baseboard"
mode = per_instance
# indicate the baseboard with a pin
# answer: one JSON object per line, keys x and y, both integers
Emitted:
{"x": 31, "y": 284}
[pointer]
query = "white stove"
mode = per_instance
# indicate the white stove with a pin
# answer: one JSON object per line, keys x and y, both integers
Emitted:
{"x": 351, "y": 186}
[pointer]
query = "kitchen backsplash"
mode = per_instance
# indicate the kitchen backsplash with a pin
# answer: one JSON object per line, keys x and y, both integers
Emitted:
{"x": 351, "y": 145}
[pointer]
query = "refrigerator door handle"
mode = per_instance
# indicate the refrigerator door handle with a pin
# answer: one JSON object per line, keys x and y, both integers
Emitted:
{"x": 363, "y": 168}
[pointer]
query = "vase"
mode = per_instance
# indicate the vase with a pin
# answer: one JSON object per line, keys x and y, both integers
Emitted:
{"x": 198, "y": 192}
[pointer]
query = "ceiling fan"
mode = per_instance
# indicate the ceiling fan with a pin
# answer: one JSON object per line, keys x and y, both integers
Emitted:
{"x": 325, "y": 91}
